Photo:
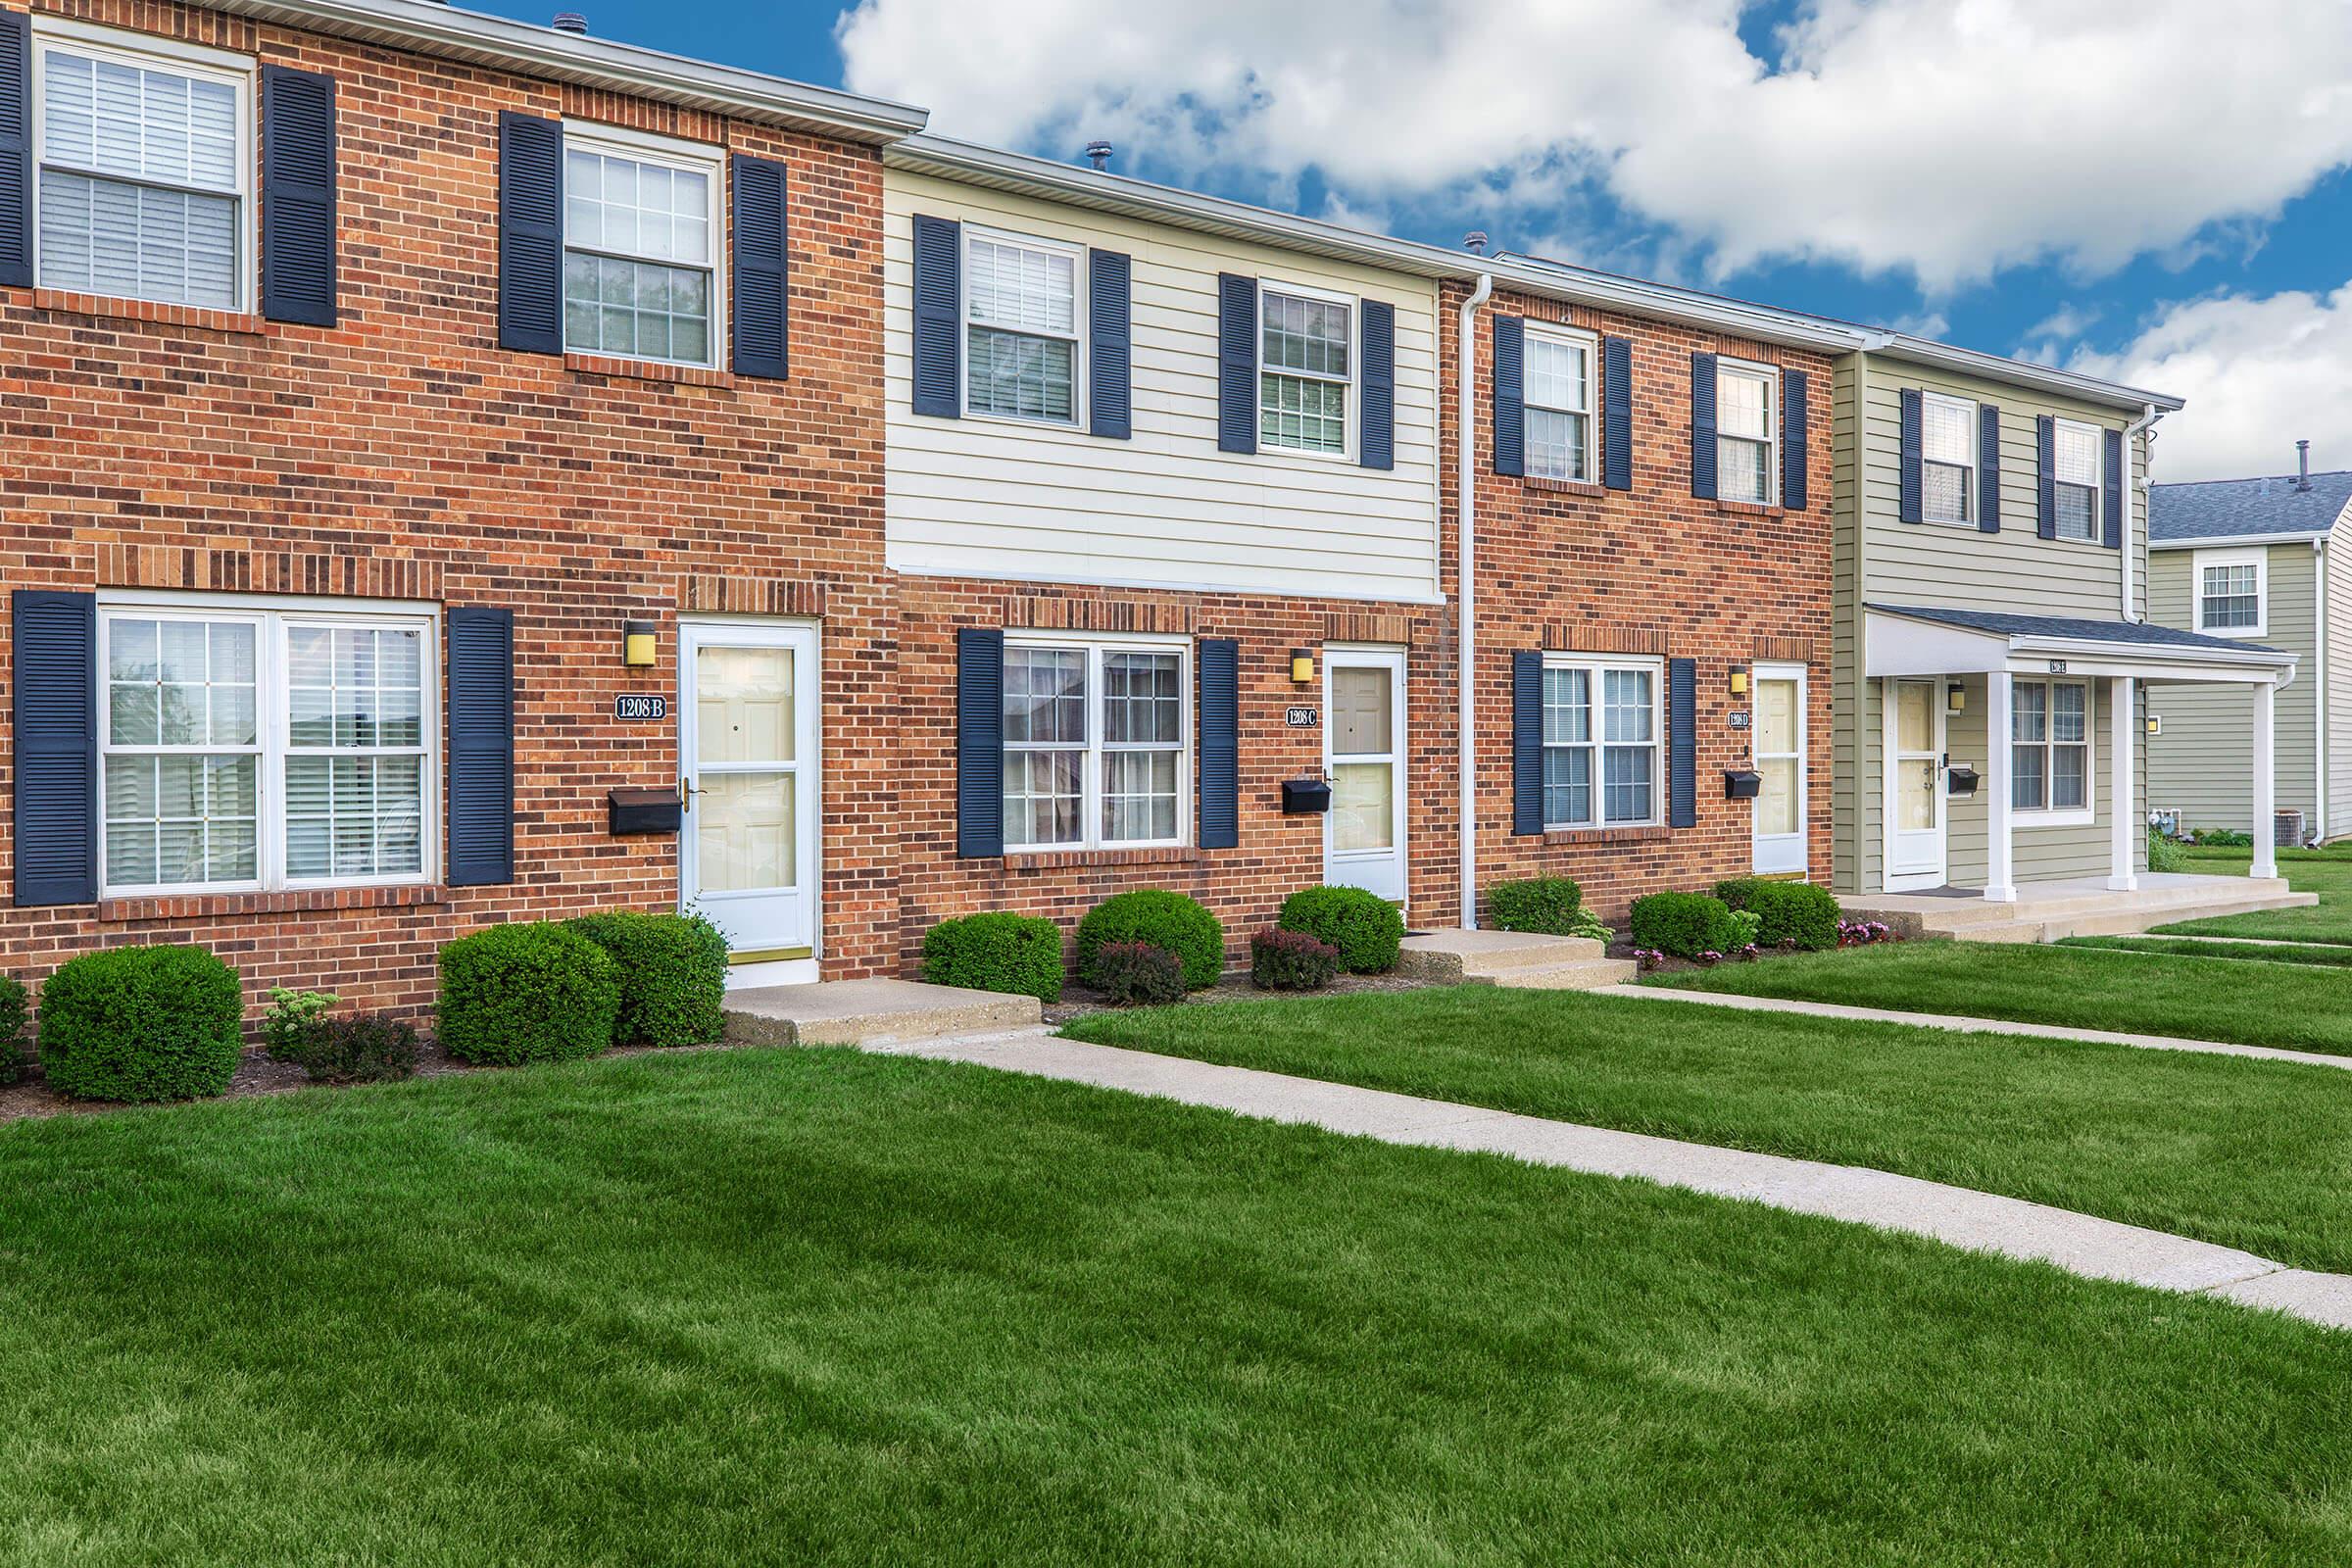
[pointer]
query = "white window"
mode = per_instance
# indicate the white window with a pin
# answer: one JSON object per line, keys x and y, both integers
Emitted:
{"x": 1020, "y": 328}
{"x": 641, "y": 234}
{"x": 246, "y": 749}
{"x": 1947, "y": 468}
{"x": 2049, "y": 754}
{"x": 2231, "y": 592}
{"x": 1305, "y": 371}
{"x": 145, "y": 153}
{"x": 1558, "y": 395}
{"x": 1096, "y": 743}
{"x": 1601, "y": 739}
{"x": 2080, "y": 470}
{"x": 1747, "y": 401}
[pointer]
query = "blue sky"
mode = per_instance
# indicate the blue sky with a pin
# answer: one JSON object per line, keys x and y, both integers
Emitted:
{"x": 2150, "y": 189}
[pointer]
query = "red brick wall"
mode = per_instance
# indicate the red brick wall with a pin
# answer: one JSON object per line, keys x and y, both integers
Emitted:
{"x": 1651, "y": 571}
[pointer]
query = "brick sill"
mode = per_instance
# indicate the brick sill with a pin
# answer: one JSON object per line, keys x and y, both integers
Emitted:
{"x": 1569, "y": 487}
{"x": 1607, "y": 835}
{"x": 150, "y": 311}
{"x": 1076, "y": 859}
{"x": 1748, "y": 509}
{"x": 207, "y": 906}
{"x": 644, "y": 371}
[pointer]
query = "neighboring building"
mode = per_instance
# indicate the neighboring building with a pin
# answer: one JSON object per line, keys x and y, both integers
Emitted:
{"x": 2251, "y": 560}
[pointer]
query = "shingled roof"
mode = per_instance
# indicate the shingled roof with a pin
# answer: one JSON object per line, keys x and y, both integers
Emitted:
{"x": 2247, "y": 508}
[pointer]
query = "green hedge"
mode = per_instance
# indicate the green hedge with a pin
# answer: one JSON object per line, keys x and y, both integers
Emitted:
{"x": 1685, "y": 925}
{"x": 158, "y": 1022}
{"x": 1157, "y": 919}
{"x": 1788, "y": 914}
{"x": 530, "y": 991}
{"x": 1365, "y": 927}
{"x": 16, "y": 1007}
{"x": 1549, "y": 905}
{"x": 1136, "y": 974}
{"x": 673, "y": 975}
{"x": 1019, "y": 955}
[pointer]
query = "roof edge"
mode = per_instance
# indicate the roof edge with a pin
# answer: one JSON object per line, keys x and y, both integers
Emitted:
{"x": 1916, "y": 350}
{"x": 2276, "y": 536}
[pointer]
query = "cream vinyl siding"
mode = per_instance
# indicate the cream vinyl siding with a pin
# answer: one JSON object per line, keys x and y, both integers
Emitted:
{"x": 2338, "y": 632}
{"x": 985, "y": 498}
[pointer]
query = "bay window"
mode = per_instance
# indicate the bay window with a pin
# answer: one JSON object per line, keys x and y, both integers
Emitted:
{"x": 1097, "y": 743}
{"x": 1948, "y": 465}
{"x": 1306, "y": 375}
{"x": 1601, "y": 736}
{"x": 2050, "y": 753}
{"x": 1558, "y": 402}
{"x": 2076, "y": 485}
{"x": 641, "y": 226}
{"x": 1020, "y": 305}
{"x": 1747, "y": 401}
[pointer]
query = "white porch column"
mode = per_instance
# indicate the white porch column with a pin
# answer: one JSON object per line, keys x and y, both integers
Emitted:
{"x": 2266, "y": 782}
{"x": 2122, "y": 750}
{"x": 2000, "y": 884}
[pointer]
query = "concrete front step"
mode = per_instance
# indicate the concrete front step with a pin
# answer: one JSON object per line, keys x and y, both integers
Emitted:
{"x": 2031, "y": 923}
{"x": 1586, "y": 975}
{"x": 857, "y": 1013}
{"x": 1522, "y": 960}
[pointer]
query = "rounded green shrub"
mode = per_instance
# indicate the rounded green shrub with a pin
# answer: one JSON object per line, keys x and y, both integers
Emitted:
{"x": 673, "y": 975}
{"x": 1136, "y": 974}
{"x": 16, "y": 1007}
{"x": 1790, "y": 915}
{"x": 1549, "y": 905}
{"x": 1019, "y": 955}
{"x": 530, "y": 991}
{"x": 158, "y": 1022}
{"x": 1685, "y": 925}
{"x": 1157, "y": 919}
{"x": 1365, "y": 927}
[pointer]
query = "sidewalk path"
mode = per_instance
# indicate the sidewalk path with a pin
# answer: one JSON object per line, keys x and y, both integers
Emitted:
{"x": 2096, "y": 1249}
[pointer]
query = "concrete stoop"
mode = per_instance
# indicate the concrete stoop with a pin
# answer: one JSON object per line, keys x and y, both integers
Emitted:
{"x": 1519, "y": 960}
{"x": 2044, "y": 917}
{"x": 864, "y": 1012}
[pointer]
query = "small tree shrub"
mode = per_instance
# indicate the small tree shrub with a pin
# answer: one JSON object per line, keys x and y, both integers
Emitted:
{"x": 158, "y": 1022}
{"x": 1587, "y": 924}
{"x": 1746, "y": 924}
{"x": 1366, "y": 928}
{"x": 1791, "y": 914}
{"x": 1136, "y": 974}
{"x": 1687, "y": 926}
{"x": 2164, "y": 855}
{"x": 290, "y": 1015}
{"x": 530, "y": 991}
{"x": 14, "y": 1008}
{"x": 367, "y": 1049}
{"x": 1544, "y": 904}
{"x": 1290, "y": 961}
{"x": 1018, "y": 955}
{"x": 673, "y": 975}
{"x": 1157, "y": 918}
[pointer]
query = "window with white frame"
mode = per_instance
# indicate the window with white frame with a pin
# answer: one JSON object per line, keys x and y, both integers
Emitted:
{"x": 1096, "y": 743}
{"x": 1559, "y": 393}
{"x": 2230, "y": 592}
{"x": 1948, "y": 465}
{"x": 1305, "y": 371}
{"x": 1601, "y": 735}
{"x": 2080, "y": 470}
{"x": 145, "y": 153}
{"x": 1747, "y": 400}
{"x": 1020, "y": 314}
{"x": 245, "y": 749}
{"x": 641, "y": 228}
{"x": 2049, "y": 746}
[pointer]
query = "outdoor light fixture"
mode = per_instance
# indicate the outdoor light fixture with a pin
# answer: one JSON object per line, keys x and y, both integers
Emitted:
{"x": 1738, "y": 683}
{"x": 1303, "y": 665}
{"x": 637, "y": 642}
{"x": 1955, "y": 699}
{"x": 2155, "y": 724}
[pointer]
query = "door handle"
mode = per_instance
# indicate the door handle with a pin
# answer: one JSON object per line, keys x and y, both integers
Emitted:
{"x": 686, "y": 794}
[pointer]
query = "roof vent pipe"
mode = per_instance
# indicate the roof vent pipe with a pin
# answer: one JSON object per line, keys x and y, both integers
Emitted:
{"x": 1098, "y": 153}
{"x": 1475, "y": 242}
{"x": 569, "y": 21}
{"x": 2302, "y": 465}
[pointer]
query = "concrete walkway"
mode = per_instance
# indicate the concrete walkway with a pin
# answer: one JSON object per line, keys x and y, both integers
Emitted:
{"x": 2095, "y": 1249}
{"x": 1990, "y": 1026}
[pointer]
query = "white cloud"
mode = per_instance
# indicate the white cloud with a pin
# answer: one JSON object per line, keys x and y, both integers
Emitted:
{"x": 1946, "y": 137}
{"x": 2258, "y": 374}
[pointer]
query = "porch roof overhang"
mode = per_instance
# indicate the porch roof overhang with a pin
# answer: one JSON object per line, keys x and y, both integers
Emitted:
{"x": 1915, "y": 640}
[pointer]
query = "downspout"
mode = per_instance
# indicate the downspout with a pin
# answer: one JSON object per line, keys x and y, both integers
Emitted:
{"x": 2318, "y": 690}
{"x": 2131, "y": 433}
{"x": 1465, "y": 474}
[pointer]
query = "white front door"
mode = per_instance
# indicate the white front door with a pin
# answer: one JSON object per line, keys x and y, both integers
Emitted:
{"x": 1779, "y": 730}
{"x": 1363, "y": 753}
{"x": 1915, "y": 808}
{"x": 747, "y": 747}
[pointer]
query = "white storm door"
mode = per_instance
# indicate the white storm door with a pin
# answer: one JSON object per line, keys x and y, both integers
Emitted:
{"x": 1915, "y": 805}
{"x": 747, "y": 747}
{"x": 1363, "y": 753}
{"x": 1779, "y": 730}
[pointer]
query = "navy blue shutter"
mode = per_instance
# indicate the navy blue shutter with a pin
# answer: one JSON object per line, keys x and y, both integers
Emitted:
{"x": 481, "y": 746}
{"x": 1237, "y": 362}
{"x": 1682, "y": 742}
{"x": 1109, "y": 366}
{"x": 938, "y": 303}
{"x": 763, "y": 269}
{"x": 1988, "y": 467}
{"x": 1796, "y": 421}
{"x": 1376, "y": 447}
{"x": 1510, "y": 395}
{"x": 531, "y": 234}
{"x": 15, "y": 149}
{"x": 1220, "y": 667}
{"x": 2045, "y": 443}
{"x": 979, "y": 743}
{"x": 2111, "y": 507}
{"x": 1527, "y": 740}
{"x": 57, "y": 745}
{"x": 298, "y": 196}
{"x": 1617, "y": 413}
{"x": 1911, "y": 482}
{"x": 1702, "y": 425}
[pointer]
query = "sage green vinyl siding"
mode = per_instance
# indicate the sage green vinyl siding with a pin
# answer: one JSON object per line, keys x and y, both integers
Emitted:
{"x": 2337, "y": 566}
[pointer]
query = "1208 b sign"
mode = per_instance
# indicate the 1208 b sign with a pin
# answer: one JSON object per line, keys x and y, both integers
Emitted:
{"x": 640, "y": 708}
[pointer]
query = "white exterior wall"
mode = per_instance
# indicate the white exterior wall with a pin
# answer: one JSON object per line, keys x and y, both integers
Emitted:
{"x": 997, "y": 499}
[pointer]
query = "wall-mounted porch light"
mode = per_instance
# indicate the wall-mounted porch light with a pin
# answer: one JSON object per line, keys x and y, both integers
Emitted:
{"x": 1955, "y": 699}
{"x": 637, "y": 642}
{"x": 1738, "y": 683}
{"x": 2155, "y": 724}
{"x": 1303, "y": 665}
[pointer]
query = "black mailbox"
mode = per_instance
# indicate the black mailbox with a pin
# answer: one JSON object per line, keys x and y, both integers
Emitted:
{"x": 1305, "y": 796}
{"x": 642, "y": 812}
{"x": 1959, "y": 780}
{"x": 1742, "y": 783}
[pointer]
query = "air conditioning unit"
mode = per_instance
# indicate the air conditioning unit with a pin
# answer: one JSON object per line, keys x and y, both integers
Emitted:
{"x": 2286, "y": 830}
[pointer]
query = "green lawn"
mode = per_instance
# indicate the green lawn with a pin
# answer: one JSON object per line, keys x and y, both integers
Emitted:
{"x": 2324, "y": 955}
{"x": 2327, "y": 872}
{"x": 777, "y": 1306}
{"x": 2197, "y": 999}
{"x": 2241, "y": 1152}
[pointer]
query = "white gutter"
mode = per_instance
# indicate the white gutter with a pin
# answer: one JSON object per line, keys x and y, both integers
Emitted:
{"x": 2318, "y": 690}
{"x": 2131, "y": 433}
{"x": 1465, "y": 641}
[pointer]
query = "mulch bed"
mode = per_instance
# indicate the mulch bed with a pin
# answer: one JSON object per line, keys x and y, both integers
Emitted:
{"x": 1078, "y": 1001}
